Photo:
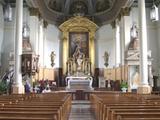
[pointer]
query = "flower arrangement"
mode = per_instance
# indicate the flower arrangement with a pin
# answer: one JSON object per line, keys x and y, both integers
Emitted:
{"x": 124, "y": 84}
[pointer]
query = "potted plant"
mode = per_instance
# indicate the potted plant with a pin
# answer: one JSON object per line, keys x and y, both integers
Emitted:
{"x": 3, "y": 87}
{"x": 124, "y": 86}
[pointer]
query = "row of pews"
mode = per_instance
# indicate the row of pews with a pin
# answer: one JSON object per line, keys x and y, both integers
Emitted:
{"x": 49, "y": 106}
{"x": 125, "y": 106}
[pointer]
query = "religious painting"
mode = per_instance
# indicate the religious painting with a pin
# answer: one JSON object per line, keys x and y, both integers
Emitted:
{"x": 78, "y": 41}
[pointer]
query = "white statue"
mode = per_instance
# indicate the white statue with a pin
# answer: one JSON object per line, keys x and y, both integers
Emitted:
{"x": 79, "y": 57}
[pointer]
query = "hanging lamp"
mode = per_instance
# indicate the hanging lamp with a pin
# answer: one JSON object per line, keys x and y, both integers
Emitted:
{"x": 8, "y": 12}
{"x": 154, "y": 15}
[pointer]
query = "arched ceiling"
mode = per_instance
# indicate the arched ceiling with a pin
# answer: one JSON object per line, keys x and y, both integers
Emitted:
{"x": 99, "y": 11}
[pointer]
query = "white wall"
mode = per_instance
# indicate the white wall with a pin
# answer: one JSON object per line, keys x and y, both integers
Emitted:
{"x": 152, "y": 41}
{"x": 105, "y": 42}
{"x": 52, "y": 43}
{"x": 8, "y": 42}
{"x": 158, "y": 39}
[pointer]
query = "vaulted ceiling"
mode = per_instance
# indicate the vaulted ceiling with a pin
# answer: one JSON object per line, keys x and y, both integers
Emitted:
{"x": 99, "y": 11}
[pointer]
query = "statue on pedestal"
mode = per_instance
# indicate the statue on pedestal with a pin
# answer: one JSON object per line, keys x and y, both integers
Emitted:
{"x": 134, "y": 44}
{"x": 106, "y": 58}
{"x": 52, "y": 58}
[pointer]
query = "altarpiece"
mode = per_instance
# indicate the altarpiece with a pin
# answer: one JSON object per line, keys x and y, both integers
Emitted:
{"x": 78, "y": 52}
{"x": 78, "y": 45}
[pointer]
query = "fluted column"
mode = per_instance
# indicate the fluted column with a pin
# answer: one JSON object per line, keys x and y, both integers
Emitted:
{"x": 117, "y": 43}
{"x": 125, "y": 32}
{"x": 143, "y": 87}
{"x": 17, "y": 85}
{"x": 116, "y": 38}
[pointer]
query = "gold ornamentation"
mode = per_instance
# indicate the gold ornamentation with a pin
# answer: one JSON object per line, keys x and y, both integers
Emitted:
{"x": 78, "y": 24}
{"x": 34, "y": 12}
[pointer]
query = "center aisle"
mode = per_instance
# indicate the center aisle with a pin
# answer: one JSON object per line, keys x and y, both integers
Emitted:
{"x": 81, "y": 111}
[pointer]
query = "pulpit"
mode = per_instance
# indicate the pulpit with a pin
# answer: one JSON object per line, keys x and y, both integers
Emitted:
{"x": 29, "y": 63}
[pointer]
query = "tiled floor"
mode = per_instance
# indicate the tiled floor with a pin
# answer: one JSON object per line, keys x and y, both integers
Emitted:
{"x": 81, "y": 111}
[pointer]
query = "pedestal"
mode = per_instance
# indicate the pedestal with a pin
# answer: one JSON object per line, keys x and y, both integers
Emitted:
{"x": 18, "y": 89}
{"x": 144, "y": 89}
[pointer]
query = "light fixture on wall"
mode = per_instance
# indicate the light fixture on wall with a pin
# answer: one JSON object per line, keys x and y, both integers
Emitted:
{"x": 26, "y": 31}
{"x": 154, "y": 15}
{"x": 8, "y": 12}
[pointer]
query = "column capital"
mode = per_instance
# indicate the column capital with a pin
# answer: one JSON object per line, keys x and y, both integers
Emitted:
{"x": 45, "y": 23}
{"x": 113, "y": 24}
{"x": 124, "y": 12}
{"x": 34, "y": 11}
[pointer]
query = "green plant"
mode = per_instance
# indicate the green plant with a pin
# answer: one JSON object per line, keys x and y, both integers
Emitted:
{"x": 3, "y": 87}
{"x": 124, "y": 84}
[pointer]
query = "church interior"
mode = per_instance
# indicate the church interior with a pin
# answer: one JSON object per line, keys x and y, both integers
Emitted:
{"x": 79, "y": 59}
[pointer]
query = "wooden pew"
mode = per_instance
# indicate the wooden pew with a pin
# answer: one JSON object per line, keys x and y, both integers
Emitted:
{"x": 53, "y": 106}
{"x": 105, "y": 104}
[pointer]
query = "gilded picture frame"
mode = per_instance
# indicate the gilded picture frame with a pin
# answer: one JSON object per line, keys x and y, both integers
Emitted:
{"x": 78, "y": 39}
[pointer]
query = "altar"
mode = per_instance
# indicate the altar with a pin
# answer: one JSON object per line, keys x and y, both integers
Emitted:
{"x": 79, "y": 83}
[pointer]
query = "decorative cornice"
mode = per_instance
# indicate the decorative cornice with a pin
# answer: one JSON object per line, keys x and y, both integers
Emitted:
{"x": 45, "y": 23}
{"x": 125, "y": 11}
{"x": 34, "y": 12}
{"x": 113, "y": 24}
{"x": 78, "y": 21}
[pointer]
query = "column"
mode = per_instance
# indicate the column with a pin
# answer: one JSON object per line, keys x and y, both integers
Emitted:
{"x": 41, "y": 44}
{"x": 116, "y": 37}
{"x": 17, "y": 85}
{"x": 34, "y": 29}
{"x": 125, "y": 32}
{"x": 45, "y": 24}
{"x": 143, "y": 88}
